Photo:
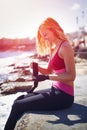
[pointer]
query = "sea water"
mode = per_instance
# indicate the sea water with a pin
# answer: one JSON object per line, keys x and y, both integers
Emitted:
{"x": 15, "y": 53}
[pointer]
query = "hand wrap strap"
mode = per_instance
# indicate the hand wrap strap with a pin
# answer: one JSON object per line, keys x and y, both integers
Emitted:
{"x": 35, "y": 74}
{"x": 42, "y": 77}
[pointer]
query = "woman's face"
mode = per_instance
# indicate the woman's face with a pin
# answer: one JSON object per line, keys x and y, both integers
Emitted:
{"x": 47, "y": 35}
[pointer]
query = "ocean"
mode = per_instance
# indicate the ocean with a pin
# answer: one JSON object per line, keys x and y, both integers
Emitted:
{"x": 16, "y": 53}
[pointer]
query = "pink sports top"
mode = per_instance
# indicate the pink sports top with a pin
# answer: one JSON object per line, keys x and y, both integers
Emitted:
{"x": 57, "y": 63}
{"x": 58, "y": 66}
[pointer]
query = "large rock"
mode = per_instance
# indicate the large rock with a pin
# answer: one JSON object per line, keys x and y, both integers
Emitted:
{"x": 69, "y": 119}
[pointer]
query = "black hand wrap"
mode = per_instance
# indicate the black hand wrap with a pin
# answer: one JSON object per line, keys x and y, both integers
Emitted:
{"x": 35, "y": 74}
{"x": 42, "y": 77}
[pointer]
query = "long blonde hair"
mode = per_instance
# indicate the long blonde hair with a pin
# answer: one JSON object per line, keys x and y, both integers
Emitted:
{"x": 43, "y": 47}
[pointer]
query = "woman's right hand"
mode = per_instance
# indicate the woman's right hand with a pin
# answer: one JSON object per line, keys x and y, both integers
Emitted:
{"x": 32, "y": 63}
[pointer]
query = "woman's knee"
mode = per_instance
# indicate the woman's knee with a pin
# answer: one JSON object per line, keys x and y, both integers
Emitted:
{"x": 19, "y": 98}
{"x": 16, "y": 106}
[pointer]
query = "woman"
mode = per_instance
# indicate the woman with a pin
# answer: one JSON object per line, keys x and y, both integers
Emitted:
{"x": 61, "y": 70}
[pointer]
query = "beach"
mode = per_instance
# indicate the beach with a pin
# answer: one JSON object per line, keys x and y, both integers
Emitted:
{"x": 16, "y": 67}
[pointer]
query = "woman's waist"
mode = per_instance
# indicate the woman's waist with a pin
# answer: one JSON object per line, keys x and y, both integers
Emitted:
{"x": 66, "y": 87}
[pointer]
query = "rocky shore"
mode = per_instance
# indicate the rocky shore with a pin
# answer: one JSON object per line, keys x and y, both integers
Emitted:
{"x": 13, "y": 80}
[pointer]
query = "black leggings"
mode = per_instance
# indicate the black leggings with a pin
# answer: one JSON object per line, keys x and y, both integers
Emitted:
{"x": 44, "y": 100}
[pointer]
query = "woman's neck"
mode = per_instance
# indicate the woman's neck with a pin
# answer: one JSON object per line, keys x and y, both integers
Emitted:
{"x": 55, "y": 47}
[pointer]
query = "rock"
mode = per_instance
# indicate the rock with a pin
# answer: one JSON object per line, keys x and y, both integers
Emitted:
{"x": 68, "y": 119}
{"x": 14, "y": 87}
{"x": 73, "y": 118}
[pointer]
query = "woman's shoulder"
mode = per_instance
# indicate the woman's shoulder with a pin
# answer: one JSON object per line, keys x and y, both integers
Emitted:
{"x": 66, "y": 45}
{"x": 66, "y": 48}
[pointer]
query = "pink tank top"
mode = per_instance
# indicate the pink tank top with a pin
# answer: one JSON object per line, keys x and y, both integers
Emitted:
{"x": 57, "y": 63}
{"x": 58, "y": 66}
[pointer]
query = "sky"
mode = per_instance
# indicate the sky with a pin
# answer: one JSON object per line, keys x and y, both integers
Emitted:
{"x": 21, "y": 18}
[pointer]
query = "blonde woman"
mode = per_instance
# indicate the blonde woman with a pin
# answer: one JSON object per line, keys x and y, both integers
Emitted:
{"x": 61, "y": 70}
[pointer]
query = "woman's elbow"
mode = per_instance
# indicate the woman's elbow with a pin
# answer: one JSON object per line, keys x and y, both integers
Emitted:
{"x": 73, "y": 76}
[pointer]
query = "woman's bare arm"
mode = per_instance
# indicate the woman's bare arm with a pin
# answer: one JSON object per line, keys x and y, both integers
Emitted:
{"x": 45, "y": 71}
{"x": 66, "y": 52}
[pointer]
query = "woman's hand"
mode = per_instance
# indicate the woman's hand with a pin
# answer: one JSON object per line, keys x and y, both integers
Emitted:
{"x": 40, "y": 78}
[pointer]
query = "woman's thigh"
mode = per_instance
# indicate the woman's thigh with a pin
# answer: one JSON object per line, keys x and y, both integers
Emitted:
{"x": 36, "y": 101}
{"x": 43, "y": 101}
{"x": 32, "y": 94}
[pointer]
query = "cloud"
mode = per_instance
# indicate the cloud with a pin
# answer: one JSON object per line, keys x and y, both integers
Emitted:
{"x": 75, "y": 6}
